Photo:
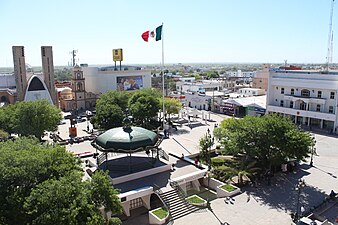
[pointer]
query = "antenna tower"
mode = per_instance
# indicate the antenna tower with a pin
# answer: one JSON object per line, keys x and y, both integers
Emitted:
{"x": 73, "y": 60}
{"x": 330, "y": 40}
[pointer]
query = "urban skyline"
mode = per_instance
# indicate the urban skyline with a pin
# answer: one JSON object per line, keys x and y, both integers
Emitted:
{"x": 240, "y": 32}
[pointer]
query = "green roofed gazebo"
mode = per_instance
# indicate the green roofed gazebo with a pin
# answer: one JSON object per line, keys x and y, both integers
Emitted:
{"x": 126, "y": 140}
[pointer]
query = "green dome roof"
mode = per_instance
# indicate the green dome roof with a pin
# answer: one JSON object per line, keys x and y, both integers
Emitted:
{"x": 130, "y": 138}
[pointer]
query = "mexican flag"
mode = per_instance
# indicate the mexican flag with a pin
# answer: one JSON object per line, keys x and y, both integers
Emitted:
{"x": 154, "y": 35}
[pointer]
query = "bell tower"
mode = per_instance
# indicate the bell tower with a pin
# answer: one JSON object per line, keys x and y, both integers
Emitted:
{"x": 48, "y": 71}
{"x": 20, "y": 71}
{"x": 78, "y": 89}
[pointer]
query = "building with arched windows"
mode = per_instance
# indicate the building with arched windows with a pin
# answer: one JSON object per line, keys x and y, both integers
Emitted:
{"x": 307, "y": 97}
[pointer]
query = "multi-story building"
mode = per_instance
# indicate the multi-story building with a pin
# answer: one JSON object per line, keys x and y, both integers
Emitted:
{"x": 308, "y": 97}
{"x": 261, "y": 79}
{"x": 100, "y": 80}
{"x": 7, "y": 89}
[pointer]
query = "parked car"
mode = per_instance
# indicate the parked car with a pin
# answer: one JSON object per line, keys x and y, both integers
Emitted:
{"x": 79, "y": 119}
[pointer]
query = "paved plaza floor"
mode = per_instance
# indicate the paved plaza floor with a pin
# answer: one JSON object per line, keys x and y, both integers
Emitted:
{"x": 261, "y": 205}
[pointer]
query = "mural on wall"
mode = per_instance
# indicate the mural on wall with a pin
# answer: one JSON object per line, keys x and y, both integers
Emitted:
{"x": 129, "y": 83}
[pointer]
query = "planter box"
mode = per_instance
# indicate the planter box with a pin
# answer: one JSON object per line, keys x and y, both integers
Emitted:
{"x": 224, "y": 193}
{"x": 203, "y": 203}
{"x": 153, "y": 219}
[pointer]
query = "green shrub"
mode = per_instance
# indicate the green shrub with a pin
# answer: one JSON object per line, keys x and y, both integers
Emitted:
{"x": 217, "y": 161}
{"x": 223, "y": 173}
{"x": 115, "y": 221}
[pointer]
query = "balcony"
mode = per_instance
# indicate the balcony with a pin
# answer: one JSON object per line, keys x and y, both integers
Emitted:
{"x": 305, "y": 99}
{"x": 303, "y": 113}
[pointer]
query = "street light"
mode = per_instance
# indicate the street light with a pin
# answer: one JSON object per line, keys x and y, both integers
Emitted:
{"x": 299, "y": 186}
{"x": 313, "y": 150}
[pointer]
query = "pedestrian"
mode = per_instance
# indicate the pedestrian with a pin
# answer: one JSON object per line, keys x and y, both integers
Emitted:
{"x": 302, "y": 210}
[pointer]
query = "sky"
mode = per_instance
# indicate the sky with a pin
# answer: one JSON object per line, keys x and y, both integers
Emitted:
{"x": 194, "y": 31}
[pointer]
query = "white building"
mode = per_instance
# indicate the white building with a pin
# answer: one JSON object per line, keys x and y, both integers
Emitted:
{"x": 308, "y": 97}
{"x": 251, "y": 91}
{"x": 197, "y": 101}
{"x": 192, "y": 86}
{"x": 100, "y": 80}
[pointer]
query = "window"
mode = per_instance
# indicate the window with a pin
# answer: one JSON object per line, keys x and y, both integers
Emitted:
{"x": 332, "y": 95}
{"x": 282, "y": 90}
{"x": 331, "y": 108}
{"x": 292, "y": 91}
{"x": 319, "y": 95}
{"x": 318, "y": 108}
{"x": 281, "y": 103}
{"x": 291, "y": 104}
{"x": 305, "y": 93}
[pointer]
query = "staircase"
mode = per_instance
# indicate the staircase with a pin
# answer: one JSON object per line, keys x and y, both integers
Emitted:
{"x": 175, "y": 201}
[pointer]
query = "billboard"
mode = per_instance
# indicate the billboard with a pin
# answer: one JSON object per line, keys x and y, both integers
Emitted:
{"x": 129, "y": 83}
{"x": 117, "y": 55}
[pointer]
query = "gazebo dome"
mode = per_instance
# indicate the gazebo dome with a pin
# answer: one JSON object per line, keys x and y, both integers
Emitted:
{"x": 125, "y": 139}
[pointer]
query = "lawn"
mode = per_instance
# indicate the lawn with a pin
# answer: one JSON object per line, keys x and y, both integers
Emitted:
{"x": 203, "y": 193}
{"x": 228, "y": 187}
{"x": 160, "y": 213}
{"x": 195, "y": 200}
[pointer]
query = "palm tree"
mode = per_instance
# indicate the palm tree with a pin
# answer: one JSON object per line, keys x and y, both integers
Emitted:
{"x": 246, "y": 170}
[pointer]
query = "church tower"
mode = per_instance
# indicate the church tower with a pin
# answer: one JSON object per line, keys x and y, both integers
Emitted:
{"x": 78, "y": 89}
{"x": 19, "y": 71}
{"x": 48, "y": 71}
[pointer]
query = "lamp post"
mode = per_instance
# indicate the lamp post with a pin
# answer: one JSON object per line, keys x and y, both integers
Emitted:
{"x": 299, "y": 186}
{"x": 313, "y": 150}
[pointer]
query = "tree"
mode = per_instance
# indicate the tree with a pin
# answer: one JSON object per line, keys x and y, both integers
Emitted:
{"x": 7, "y": 118}
{"x": 144, "y": 106}
{"x": 102, "y": 193}
{"x": 71, "y": 201}
{"x": 205, "y": 143}
{"x": 63, "y": 201}
{"x": 110, "y": 108}
{"x": 42, "y": 184}
{"x": 63, "y": 75}
{"x": 24, "y": 163}
{"x": 212, "y": 74}
{"x": 3, "y": 135}
{"x": 271, "y": 139}
{"x": 36, "y": 117}
{"x": 171, "y": 106}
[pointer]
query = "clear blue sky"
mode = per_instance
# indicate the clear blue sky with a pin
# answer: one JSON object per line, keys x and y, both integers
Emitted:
{"x": 194, "y": 31}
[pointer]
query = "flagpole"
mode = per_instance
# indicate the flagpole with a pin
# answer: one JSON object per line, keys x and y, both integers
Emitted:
{"x": 162, "y": 70}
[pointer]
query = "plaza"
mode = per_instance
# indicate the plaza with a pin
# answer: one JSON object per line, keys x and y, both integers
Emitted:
{"x": 262, "y": 204}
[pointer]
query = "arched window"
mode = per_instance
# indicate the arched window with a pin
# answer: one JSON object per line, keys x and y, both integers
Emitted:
{"x": 305, "y": 93}
{"x": 4, "y": 99}
{"x": 79, "y": 86}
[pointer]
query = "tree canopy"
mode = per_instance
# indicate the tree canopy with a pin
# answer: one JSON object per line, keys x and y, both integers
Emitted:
{"x": 42, "y": 184}
{"x": 171, "y": 106}
{"x": 271, "y": 139}
{"x": 143, "y": 106}
{"x": 30, "y": 118}
{"x": 110, "y": 108}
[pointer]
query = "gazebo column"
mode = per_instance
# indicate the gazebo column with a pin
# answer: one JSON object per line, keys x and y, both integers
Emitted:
{"x": 106, "y": 159}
